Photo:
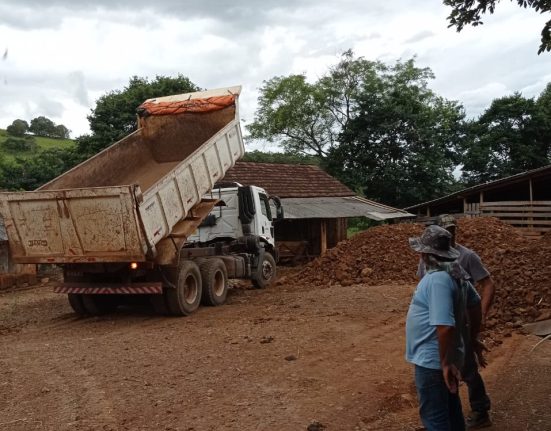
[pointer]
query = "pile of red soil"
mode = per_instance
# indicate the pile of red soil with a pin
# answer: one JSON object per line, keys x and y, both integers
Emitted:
{"x": 520, "y": 268}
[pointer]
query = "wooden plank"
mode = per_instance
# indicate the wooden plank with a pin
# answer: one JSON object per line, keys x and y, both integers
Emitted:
{"x": 523, "y": 209}
{"x": 516, "y": 203}
{"x": 323, "y": 235}
{"x": 535, "y": 222}
{"x": 517, "y": 214}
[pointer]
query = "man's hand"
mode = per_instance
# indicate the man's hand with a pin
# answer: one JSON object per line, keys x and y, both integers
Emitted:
{"x": 479, "y": 348}
{"x": 451, "y": 377}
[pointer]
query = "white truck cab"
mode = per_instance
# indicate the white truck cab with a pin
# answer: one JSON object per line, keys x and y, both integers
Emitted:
{"x": 241, "y": 211}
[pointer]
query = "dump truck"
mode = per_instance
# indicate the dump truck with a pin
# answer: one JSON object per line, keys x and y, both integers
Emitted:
{"x": 119, "y": 222}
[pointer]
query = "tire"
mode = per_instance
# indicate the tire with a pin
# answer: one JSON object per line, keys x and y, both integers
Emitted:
{"x": 96, "y": 305}
{"x": 215, "y": 282}
{"x": 265, "y": 273}
{"x": 186, "y": 297}
{"x": 75, "y": 301}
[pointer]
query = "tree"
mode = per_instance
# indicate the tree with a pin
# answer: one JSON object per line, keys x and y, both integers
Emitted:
{"x": 32, "y": 172}
{"x": 115, "y": 113}
{"x": 403, "y": 145}
{"x": 286, "y": 157}
{"x": 306, "y": 117}
{"x": 42, "y": 126}
{"x": 27, "y": 144}
{"x": 376, "y": 127}
{"x": 18, "y": 128}
{"x": 468, "y": 12}
{"x": 512, "y": 136}
{"x": 61, "y": 132}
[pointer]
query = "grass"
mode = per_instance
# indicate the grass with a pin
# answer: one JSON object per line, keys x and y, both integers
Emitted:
{"x": 43, "y": 144}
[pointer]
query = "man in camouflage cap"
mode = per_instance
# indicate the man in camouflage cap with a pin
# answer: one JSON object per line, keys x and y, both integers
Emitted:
{"x": 436, "y": 330}
{"x": 470, "y": 261}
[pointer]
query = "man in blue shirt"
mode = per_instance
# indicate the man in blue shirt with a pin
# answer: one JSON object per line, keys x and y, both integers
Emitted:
{"x": 479, "y": 400}
{"x": 436, "y": 330}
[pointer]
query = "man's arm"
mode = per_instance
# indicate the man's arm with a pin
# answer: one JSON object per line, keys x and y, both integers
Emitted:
{"x": 446, "y": 340}
{"x": 488, "y": 291}
{"x": 475, "y": 320}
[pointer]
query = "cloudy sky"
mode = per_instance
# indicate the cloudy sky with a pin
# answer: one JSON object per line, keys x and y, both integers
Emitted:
{"x": 64, "y": 54}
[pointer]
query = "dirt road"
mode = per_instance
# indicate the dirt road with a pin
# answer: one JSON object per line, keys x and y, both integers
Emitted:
{"x": 277, "y": 359}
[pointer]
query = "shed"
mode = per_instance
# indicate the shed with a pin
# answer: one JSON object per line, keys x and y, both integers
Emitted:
{"x": 522, "y": 200}
{"x": 316, "y": 205}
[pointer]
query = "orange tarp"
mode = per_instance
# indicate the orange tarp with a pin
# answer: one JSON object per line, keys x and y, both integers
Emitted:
{"x": 205, "y": 105}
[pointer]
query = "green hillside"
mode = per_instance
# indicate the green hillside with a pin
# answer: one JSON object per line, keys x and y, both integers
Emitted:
{"x": 42, "y": 144}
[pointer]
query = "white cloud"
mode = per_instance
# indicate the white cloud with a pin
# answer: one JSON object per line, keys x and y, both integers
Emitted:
{"x": 64, "y": 54}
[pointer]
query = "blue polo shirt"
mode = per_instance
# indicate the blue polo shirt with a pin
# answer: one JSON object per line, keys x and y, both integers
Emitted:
{"x": 432, "y": 305}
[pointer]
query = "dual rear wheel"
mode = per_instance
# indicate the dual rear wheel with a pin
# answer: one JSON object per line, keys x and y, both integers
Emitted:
{"x": 194, "y": 283}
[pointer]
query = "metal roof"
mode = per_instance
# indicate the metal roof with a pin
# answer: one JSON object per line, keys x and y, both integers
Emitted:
{"x": 488, "y": 185}
{"x": 338, "y": 207}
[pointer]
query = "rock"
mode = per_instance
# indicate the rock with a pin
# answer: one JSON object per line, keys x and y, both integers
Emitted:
{"x": 290, "y": 358}
{"x": 315, "y": 426}
{"x": 266, "y": 339}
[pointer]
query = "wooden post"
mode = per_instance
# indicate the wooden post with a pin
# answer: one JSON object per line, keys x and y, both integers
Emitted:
{"x": 465, "y": 208}
{"x": 323, "y": 237}
{"x": 531, "y": 219}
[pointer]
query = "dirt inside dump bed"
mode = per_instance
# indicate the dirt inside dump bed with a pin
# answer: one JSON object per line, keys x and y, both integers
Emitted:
{"x": 147, "y": 155}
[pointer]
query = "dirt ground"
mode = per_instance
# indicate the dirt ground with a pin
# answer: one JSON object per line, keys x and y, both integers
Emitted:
{"x": 278, "y": 359}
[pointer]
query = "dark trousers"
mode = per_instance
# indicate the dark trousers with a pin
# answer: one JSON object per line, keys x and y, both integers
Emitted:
{"x": 440, "y": 410}
{"x": 478, "y": 398}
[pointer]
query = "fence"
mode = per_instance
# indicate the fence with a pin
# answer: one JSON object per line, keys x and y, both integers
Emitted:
{"x": 533, "y": 216}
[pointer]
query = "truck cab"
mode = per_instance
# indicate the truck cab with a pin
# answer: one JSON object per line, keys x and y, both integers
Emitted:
{"x": 241, "y": 211}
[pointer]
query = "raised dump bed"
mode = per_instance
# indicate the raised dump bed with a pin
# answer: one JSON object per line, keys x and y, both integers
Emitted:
{"x": 119, "y": 204}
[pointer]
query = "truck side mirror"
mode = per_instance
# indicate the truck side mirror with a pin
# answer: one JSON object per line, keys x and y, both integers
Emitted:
{"x": 279, "y": 208}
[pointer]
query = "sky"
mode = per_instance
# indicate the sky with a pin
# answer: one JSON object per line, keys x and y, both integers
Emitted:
{"x": 64, "y": 54}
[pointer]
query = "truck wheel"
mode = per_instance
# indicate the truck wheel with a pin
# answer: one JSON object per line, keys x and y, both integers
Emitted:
{"x": 265, "y": 273}
{"x": 75, "y": 301}
{"x": 215, "y": 282}
{"x": 97, "y": 305}
{"x": 186, "y": 297}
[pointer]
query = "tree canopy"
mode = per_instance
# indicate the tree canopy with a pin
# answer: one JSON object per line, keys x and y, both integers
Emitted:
{"x": 308, "y": 117}
{"x": 114, "y": 116}
{"x": 469, "y": 12}
{"x": 376, "y": 127}
{"x": 403, "y": 145}
{"x": 512, "y": 136}
{"x": 18, "y": 128}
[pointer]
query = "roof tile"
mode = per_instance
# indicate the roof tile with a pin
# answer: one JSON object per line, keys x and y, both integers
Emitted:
{"x": 288, "y": 180}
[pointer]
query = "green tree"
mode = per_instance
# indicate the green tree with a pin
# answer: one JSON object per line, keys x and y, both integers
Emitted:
{"x": 18, "y": 128}
{"x": 61, "y": 132}
{"x": 32, "y": 172}
{"x": 510, "y": 137}
{"x": 403, "y": 145}
{"x": 376, "y": 127}
{"x": 469, "y": 12}
{"x": 308, "y": 117}
{"x": 20, "y": 145}
{"x": 289, "y": 158}
{"x": 42, "y": 126}
{"x": 115, "y": 113}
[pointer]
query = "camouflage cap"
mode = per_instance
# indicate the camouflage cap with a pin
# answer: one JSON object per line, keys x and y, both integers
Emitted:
{"x": 435, "y": 240}
{"x": 446, "y": 221}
